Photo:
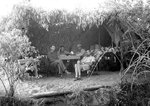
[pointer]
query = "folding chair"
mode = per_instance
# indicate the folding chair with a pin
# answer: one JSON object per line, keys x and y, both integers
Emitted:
{"x": 94, "y": 65}
{"x": 29, "y": 64}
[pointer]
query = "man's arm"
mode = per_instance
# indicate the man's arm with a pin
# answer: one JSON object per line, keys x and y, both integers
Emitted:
{"x": 81, "y": 53}
{"x": 89, "y": 60}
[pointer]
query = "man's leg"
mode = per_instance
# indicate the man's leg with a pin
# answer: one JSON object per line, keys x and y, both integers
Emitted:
{"x": 36, "y": 71}
{"x": 79, "y": 70}
{"x": 56, "y": 64}
{"x": 63, "y": 67}
{"x": 60, "y": 70}
{"x": 76, "y": 71}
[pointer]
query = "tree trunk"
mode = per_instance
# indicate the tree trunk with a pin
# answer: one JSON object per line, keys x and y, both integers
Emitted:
{"x": 11, "y": 91}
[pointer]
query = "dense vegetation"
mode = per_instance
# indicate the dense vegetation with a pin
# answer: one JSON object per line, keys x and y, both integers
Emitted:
{"x": 14, "y": 46}
{"x": 131, "y": 17}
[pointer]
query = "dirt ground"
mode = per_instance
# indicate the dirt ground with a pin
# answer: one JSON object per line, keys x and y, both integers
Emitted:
{"x": 67, "y": 83}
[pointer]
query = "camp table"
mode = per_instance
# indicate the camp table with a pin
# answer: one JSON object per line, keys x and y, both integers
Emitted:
{"x": 69, "y": 57}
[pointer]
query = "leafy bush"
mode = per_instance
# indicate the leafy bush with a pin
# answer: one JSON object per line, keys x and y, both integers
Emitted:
{"x": 12, "y": 101}
{"x": 13, "y": 46}
{"x": 138, "y": 96}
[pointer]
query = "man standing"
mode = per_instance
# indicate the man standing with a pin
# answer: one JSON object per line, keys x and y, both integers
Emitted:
{"x": 54, "y": 60}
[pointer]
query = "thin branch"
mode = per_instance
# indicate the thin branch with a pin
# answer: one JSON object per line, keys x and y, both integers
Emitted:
{"x": 146, "y": 71}
{"x": 136, "y": 51}
{"x": 132, "y": 41}
{"x": 4, "y": 86}
{"x": 7, "y": 75}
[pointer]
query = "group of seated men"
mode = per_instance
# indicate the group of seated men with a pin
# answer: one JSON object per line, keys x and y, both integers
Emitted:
{"x": 84, "y": 63}
{"x": 88, "y": 58}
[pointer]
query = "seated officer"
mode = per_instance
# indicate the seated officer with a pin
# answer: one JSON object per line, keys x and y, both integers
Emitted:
{"x": 54, "y": 60}
{"x": 83, "y": 65}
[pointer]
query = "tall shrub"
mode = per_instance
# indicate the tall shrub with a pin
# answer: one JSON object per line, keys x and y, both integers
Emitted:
{"x": 13, "y": 46}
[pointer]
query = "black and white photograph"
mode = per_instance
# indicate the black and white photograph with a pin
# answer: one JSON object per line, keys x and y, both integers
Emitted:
{"x": 74, "y": 52}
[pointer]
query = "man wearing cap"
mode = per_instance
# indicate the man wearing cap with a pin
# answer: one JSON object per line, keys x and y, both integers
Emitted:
{"x": 54, "y": 60}
{"x": 80, "y": 51}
